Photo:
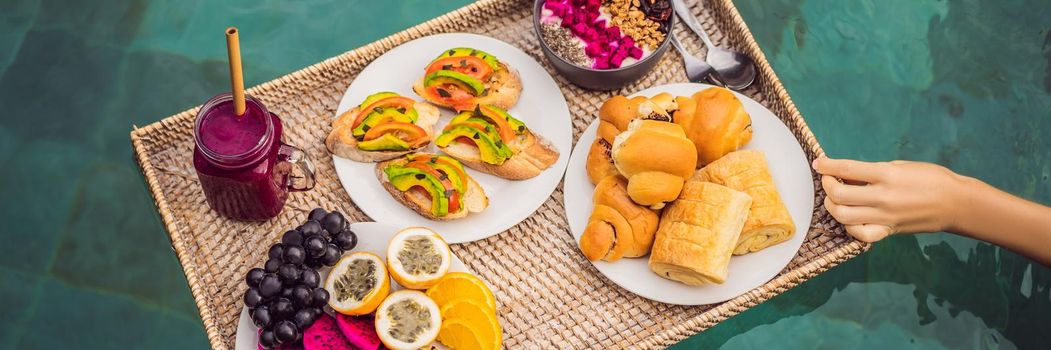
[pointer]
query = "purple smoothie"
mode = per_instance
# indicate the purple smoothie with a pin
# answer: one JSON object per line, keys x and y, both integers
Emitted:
{"x": 241, "y": 163}
{"x": 228, "y": 134}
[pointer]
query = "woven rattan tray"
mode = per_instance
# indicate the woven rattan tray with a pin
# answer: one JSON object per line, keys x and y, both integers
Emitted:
{"x": 549, "y": 295}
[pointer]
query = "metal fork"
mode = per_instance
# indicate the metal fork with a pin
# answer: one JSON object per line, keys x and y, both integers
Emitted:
{"x": 697, "y": 70}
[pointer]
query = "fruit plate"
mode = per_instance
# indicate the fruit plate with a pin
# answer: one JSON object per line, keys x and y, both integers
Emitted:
{"x": 791, "y": 172}
{"x": 541, "y": 106}
{"x": 372, "y": 237}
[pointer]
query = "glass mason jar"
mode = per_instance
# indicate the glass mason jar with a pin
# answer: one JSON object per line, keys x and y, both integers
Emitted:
{"x": 244, "y": 168}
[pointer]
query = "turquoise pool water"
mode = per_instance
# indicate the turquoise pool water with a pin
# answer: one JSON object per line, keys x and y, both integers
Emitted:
{"x": 965, "y": 83}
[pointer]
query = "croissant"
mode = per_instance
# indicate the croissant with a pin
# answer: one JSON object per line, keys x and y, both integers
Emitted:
{"x": 655, "y": 157}
{"x": 698, "y": 233}
{"x": 614, "y": 116}
{"x": 716, "y": 122}
{"x": 768, "y": 221}
{"x": 617, "y": 227}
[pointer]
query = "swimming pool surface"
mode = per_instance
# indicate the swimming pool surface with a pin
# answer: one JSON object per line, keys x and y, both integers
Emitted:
{"x": 86, "y": 263}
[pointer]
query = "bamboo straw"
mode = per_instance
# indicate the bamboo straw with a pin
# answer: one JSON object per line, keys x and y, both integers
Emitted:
{"x": 233, "y": 51}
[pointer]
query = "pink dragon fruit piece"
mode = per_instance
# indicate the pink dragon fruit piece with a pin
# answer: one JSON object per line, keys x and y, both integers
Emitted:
{"x": 579, "y": 28}
{"x": 360, "y": 331}
{"x": 591, "y": 15}
{"x": 556, "y": 11}
{"x": 580, "y": 17}
{"x": 593, "y": 49}
{"x": 627, "y": 41}
{"x": 613, "y": 32}
{"x": 602, "y": 62}
{"x": 635, "y": 53}
{"x": 616, "y": 60}
{"x": 324, "y": 334}
{"x": 623, "y": 50}
{"x": 557, "y": 8}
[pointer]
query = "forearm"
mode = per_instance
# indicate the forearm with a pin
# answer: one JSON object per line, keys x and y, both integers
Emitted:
{"x": 997, "y": 217}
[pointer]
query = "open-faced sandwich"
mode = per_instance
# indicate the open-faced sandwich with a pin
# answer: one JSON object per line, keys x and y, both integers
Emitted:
{"x": 384, "y": 126}
{"x": 489, "y": 139}
{"x": 435, "y": 186}
{"x": 463, "y": 78}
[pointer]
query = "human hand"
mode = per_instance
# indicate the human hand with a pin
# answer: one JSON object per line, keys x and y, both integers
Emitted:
{"x": 879, "y": 199}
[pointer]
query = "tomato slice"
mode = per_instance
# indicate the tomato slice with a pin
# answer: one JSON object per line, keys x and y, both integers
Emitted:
{"x": 475, "y": 125}
{"x": 502, "y": 125}
{"x": 454, "y": 202}
{"x": 448, "y": 184}
{"x": 469, "y": 65}
{"x": 389, "y": 102}
{"x": 406, "y": 131}
{"x": 455, "y": 97}
{"x": 467, "y": 141}
{"x": 458, "y": 168}
{"x": 423, "y": 191}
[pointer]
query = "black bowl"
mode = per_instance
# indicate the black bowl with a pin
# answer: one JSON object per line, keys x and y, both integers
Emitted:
{"x": 599, "y": 79}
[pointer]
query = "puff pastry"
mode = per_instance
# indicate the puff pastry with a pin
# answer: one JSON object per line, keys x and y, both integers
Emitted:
{"x": 768, "y": 221}
{"x": 698, "y": 233}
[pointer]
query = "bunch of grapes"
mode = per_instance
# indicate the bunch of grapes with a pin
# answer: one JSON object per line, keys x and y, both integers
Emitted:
{"x": 286, "y": 295}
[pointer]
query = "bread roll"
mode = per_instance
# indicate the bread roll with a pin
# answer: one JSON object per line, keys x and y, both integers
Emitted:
{"x": 715, "y": 121}
{"x": 698, "y": 233}
{"x": 768, "y": 221}
{"x": 599, "y": 164}
{"x": 655, "y": 157}
{"x": 620, "y": 110}
{"x": 614, "y": 116}
{"x": 617, "y": 227}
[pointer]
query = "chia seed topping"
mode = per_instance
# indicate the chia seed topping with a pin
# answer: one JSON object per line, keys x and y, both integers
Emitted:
{"x": 564, "y": 44}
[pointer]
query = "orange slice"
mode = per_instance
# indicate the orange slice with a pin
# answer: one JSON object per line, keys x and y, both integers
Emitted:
{"x": 456, "y": 285}
{"x": 458, "y": 335}
{"x": 478, "y": 318}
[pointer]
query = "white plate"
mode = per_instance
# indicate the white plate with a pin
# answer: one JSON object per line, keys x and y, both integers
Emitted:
{"x": 791, "y": 172}
{"x": 541, "y": 106}
{"x": 372, "y": 237}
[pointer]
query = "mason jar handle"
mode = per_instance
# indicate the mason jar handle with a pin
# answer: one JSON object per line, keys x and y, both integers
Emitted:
{"x": 298, "y": 158}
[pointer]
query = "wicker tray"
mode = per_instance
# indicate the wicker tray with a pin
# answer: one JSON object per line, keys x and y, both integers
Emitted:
{"x": 549, "y": 295}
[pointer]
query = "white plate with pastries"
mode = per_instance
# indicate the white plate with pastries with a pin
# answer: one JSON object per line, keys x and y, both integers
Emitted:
{"x": 731, "y": 209}
{"x": 541, "y": 106}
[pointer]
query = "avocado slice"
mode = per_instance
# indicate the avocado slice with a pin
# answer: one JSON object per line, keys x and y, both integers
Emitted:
{"x": 446, "y": 166}
{"x": 472, "y": 85}
{"x": 466, "y": 51}
{"x": 376, "y": 97}
{"x": 492, "y": 150}
{"x": 469, "y": 117}
{"x": 516, "y": 124}
{"x": 404, "y": 178}
{"x": 387, "y": 142}
{"x": 376, "y": 117}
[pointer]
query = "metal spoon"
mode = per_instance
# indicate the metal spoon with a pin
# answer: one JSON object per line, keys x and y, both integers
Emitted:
{"x": 696, "y": 70}
{"x": 733, "y": 68}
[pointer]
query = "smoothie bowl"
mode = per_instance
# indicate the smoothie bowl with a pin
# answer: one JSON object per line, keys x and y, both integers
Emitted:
{"x": 603, "y": 44}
